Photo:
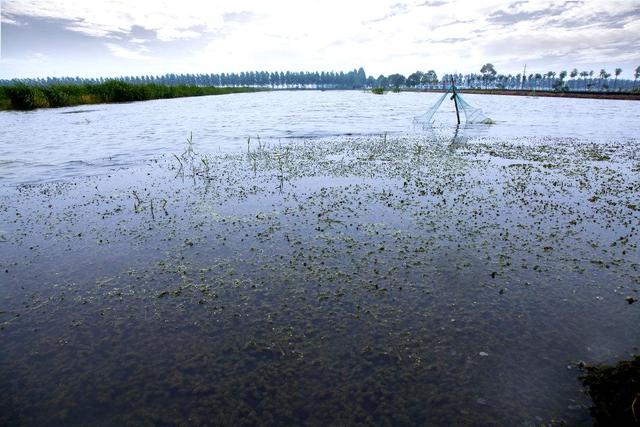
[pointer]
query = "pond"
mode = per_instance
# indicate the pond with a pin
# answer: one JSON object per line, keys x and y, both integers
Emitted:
{"x": 341, "y": 266}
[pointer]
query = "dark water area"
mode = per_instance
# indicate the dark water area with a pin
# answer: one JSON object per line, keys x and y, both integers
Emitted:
{"x": 411, "y": 279}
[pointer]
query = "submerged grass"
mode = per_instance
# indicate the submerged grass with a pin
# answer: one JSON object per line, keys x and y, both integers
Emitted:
{"x": 358, "y": 281}
{"x": 25, "y": 97}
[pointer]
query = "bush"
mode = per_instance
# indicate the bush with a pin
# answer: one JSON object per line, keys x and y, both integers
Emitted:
{"x": 56, "y": 96}
{"x": 25, "y": 97}
{"x": 378, "y": 90}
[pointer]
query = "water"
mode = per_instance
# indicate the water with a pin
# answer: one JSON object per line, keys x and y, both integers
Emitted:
{"x": 335, "y": 276}
{"x": 52, "y": 144}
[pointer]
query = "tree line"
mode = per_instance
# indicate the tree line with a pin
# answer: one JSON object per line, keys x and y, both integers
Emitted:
{"x": 563, "y": 81}
{"x": 283, "y": 79}
{"x": 487, "y": 78}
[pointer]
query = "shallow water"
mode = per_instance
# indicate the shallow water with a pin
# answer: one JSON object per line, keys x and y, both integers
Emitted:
{"x": 51, "y": 144}
{"x": 417, "y": 278}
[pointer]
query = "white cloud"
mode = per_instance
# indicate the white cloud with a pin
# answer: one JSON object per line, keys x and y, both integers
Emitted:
{"x": 169, "y": 34}
{"x": 7, "y": 20}
{"x": 137, "y": 53}
{"x": 384, "y": 36}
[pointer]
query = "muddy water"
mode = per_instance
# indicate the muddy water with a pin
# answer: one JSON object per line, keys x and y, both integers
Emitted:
{"x": 418, "y": 278}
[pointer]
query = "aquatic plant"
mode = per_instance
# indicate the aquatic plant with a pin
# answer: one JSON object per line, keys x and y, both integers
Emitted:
{"x": 349, "y": 269}
{"x": 27, "y": 97}
{"x": 23, "y": 97}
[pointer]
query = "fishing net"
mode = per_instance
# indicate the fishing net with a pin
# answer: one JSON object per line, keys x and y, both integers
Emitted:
{"x": 471, "y": 114}
{"x": 426, "y": 118}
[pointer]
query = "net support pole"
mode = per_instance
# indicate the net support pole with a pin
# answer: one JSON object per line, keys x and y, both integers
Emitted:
{"x": 455, "y": 101}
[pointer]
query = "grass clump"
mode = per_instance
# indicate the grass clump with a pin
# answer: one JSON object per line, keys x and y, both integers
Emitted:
{"x": 615, "y": 391}
{"x": 595, "y": 154}
{"x": 377, "y": 90}
{"x": 26, "y": 97}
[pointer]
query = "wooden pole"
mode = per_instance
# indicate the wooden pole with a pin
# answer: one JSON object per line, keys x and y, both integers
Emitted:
{"x": 455, "y": 99}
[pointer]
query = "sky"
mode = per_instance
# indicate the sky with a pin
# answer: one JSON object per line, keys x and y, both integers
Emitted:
{"x": 92, "y": 38}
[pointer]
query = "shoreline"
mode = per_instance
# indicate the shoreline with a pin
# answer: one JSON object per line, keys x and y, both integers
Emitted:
{"x": 626, "y": 96}
{"x": 28, "y": 98}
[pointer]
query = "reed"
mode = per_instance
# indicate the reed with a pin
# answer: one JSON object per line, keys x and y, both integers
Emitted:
{"x": 27, "y": 97}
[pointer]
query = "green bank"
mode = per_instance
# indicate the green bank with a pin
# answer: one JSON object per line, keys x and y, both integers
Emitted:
{"x": 29, "y": 97}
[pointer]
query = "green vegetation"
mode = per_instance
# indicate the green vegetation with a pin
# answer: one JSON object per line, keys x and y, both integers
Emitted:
{"x": 615, "y": 391}
{"x": 5, "y": 103}
{"x": 28, "y": 97}
{"x": 377, "y": 90}
{"x": 487, "y": 79}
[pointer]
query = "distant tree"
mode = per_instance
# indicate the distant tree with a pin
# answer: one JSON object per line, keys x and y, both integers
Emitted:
{"x": 382, "y": 81}
{"x": 538, "y": 77}
{"x": 559, "y": 85}
{"x": 488, "y": 69}
{"x": 603, "y": 76}
{"x": 361, "y": 78}
{"x": 584, "y": 75}
{"x": 488, "y": 72}
{"x": 550, "y": 76}
{"x": 357, "y": 78}
{"x": 573, "y": 75}
{"x": 617, "y": 72}
{"x": 414, "y": 79}
{"x": 430, "y": 77}
{"x": 396, "y": 80}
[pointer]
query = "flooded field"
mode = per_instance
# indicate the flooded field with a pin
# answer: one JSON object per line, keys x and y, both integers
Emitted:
{"x": 341, "y": 268}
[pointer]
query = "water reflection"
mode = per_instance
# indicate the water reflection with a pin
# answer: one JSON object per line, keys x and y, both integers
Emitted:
{"x": 459, "y": 139}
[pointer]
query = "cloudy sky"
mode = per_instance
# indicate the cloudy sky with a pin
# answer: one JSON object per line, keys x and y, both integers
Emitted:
{"x": 116, "y": 37}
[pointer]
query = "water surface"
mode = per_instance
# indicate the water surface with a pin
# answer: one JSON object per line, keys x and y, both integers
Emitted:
{"x": 50, "y": 144}
{"x": 326, "y": 273}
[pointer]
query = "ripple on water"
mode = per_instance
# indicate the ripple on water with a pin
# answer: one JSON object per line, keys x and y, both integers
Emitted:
{"x": 223, "y": 123}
